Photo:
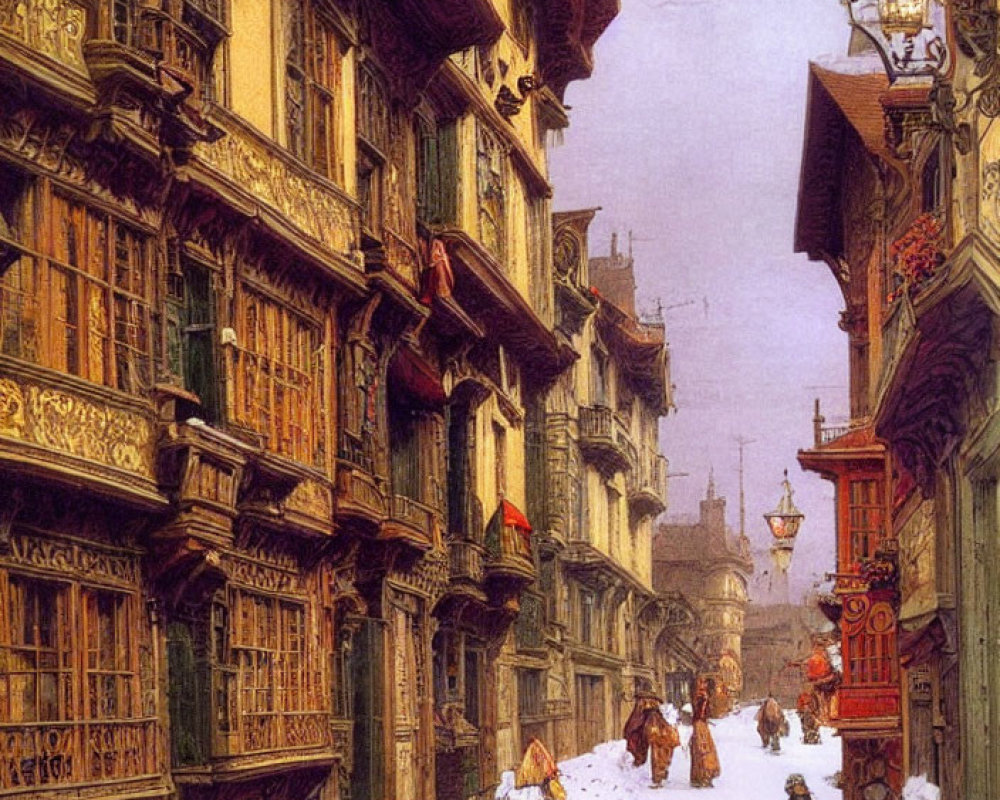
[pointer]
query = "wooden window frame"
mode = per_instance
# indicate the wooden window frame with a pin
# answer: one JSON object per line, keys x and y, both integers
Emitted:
{"x": 313, "y": 79}
{"x": 280, "y": 369}
{"x": 864, "y": 517}
{"x": 491, "y": 191}
{"x": 275, "y": 683}
{"x": 530, "y": 692}
{"x": 438, "y": 178}
{"x": 98, "y": 730}
{"x": 87, "y": 285}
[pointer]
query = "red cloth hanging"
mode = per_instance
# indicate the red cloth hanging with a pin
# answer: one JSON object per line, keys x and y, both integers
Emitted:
{"x": 513, "y": 516}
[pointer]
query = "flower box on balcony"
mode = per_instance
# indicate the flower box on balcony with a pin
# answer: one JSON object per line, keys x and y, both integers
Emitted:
{"x": 916, "y": 255}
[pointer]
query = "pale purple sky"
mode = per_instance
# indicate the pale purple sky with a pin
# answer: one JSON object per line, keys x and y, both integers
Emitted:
{"x": 689, "y": 133}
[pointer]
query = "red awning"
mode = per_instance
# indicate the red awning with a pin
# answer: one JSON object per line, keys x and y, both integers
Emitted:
{"x": 410, "y": 371}
{"x": 513, "y": 516}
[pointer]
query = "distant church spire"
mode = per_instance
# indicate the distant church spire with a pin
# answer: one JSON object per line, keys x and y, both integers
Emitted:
{"x": 710, "y": 495}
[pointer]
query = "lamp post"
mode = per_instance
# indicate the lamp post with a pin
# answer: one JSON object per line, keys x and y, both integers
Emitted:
{"x": 784, "y": 524}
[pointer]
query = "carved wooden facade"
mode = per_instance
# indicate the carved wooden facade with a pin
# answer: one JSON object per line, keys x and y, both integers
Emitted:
{"x": 276, "y": 323}
{"x": 588, "y": 632}
{"x": 916, "y": 469}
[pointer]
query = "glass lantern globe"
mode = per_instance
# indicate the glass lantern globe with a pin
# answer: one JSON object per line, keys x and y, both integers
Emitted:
{"x": 907, "y": 17}
{"x": 785, "y": 520}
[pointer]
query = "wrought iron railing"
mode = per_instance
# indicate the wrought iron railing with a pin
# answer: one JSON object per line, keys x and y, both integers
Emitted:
{"x": 830, "y": 432}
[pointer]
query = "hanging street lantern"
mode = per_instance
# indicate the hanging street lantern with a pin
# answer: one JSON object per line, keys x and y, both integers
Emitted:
{"x": 908, "y": 35}
{"x": 907, "y": 17}
{"x": 784, "y": 524}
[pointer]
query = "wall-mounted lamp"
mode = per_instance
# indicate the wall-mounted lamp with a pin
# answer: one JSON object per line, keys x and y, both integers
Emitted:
{"x": 912, "y": 39}
{"x": 908, "y": 35}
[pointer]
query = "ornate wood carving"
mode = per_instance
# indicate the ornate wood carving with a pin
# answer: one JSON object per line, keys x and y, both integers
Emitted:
{"x": 57, "y": 146}
{"x": 64, "y": 422}
{"x": 54, "y": 28}
{"x": 113, "y": 566}
{"x": 873, "y": 767}
{"x": 260, "y": 173}
{"x": 313, "y": 499}
{"x": 427, "y": 578}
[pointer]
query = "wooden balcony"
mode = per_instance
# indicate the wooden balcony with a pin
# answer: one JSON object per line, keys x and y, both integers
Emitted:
{"x": 867, "y": 706}
{"x": 410, "y": 522}
{"x": 182, "y": 51}
{"x": 360, "y": 495}
{"x": 200, "y": 469}
{"x": 932, "y": 351}
{"x": 509, "y": 555}
{"x": 467, "y": 554}
{"x": 647, "y": 486}
{"x": 258, "y": 178}
{"x": 285, "y": 495}
{"x": 466, "y": 562}
{"x": 159, "y": 58}
{"x": 603, "y": 440}
{"x": 72, "y": 431}
{"x": 48, "y": 46}
{"x": 568, "y": 30}
{"x": 39, "y": 758}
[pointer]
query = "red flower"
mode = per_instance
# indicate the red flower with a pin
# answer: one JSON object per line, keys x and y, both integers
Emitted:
{"x": 917, "y": 254}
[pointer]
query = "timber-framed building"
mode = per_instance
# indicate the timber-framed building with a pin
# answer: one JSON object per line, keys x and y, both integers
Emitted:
{"x": 591, "y": 632}
{"x": 275, "y": 305}
{"x": 898, "y": 196}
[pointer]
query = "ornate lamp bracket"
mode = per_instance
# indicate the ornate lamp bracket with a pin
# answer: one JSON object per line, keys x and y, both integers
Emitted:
{"x": 976, "y": 27}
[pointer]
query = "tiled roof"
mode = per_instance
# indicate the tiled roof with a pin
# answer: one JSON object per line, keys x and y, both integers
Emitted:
{"x": 859, "y": 99}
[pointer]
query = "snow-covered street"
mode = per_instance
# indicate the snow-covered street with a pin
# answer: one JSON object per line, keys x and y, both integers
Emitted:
{"x": 748, "y": 770}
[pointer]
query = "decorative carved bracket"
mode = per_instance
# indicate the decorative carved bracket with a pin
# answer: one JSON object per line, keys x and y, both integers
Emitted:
{"x": 186, "y": 570}
{"x": 904, "y": 125}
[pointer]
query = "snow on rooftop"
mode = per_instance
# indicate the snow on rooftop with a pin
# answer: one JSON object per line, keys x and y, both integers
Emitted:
{"x": 862, "y": 64}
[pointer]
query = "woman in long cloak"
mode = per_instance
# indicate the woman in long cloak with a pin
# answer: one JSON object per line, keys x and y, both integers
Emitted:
{"x": 704, "y": 758}
{"x": 647, "y": 731}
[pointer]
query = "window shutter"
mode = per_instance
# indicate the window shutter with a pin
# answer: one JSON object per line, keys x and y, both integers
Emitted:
{"x": 199, "y": 340}
{"x": 367, "y": 663}
{"x": 187, "y": 724}
{"x": 448, "y": 171}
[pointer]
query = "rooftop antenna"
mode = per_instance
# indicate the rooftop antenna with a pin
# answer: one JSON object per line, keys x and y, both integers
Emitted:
{"x": 742, "y": 442}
